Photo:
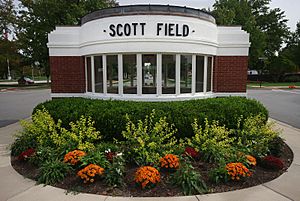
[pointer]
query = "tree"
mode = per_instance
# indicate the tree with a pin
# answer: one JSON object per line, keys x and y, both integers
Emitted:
{"x": 37, "y": 18}
{"x": 8, "y": 53}
{"x": 8, "y": 50}
{"x": 288, "y": 59}
{"x": 267, "y": 27}
{"x": 7, "y": 17}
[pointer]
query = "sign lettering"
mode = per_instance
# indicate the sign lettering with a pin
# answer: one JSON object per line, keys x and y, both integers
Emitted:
{"x": 162, "y": 29}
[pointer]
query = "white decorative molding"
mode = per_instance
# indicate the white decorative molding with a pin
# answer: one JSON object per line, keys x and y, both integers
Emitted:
{"x": 93, "y": 38}
{"x": 152, "y": 97}
{"x": 227, "y": 94}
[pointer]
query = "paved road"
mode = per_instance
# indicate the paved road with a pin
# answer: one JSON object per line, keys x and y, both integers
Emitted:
{"x": 283, "y": 105}
{"x": 18, "y": 104}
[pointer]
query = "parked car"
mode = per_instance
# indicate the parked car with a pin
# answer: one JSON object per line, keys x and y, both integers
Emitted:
{"x": 25, "y": 81}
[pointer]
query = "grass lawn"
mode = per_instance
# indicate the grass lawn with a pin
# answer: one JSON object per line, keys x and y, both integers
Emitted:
{"x": 269, "y": 84}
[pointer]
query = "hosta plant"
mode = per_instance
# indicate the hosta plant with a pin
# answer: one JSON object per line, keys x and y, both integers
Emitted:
{"x": 147, "y": 176}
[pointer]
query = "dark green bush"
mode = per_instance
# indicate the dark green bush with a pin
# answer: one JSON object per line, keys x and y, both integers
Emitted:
{"x": 109, "y": 115}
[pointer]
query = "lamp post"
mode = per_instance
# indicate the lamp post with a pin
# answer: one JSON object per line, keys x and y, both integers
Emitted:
{"x": 8, "y": 70}
{"x": 36, "y": 63}
{"x": 262, "y": 62}
{"x": 32, "y": 73}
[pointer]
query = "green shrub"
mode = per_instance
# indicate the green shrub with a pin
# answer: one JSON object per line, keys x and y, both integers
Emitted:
{"x": 44, "y": 154}
{"x": 95, "y": 157}
{"x": 219, "y": 174}
{"x": 24, "y": 140}
{"x": 188, "y": 179}
{"x": 213, "y": 141}
{"x": 108, "y": 146}
{"x": 52, "y": 172}
{"x": 45, "y": 132}
{"x": 255, "y": 136}
{"x": 110, "y": 120}
{"x": 42, "y": 125}
{"x": 276, "y": 146}
{"x": 115, "y": 172}
{"x": 148, "y": 140}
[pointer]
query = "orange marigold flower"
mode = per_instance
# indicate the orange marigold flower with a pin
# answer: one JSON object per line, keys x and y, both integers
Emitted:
{"x": 147, "y": 176}
{"x": 73, "y": 157}
{"x": 89, "y": 172}
{"x": 169, "y": 161}
{"x": 251, "y": 160}
{"x": 237, "y": 170}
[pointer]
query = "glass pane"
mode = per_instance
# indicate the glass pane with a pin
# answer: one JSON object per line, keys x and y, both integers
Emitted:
{"x": 149, "y": 73}
{"x": 98, "y": 74}
{"x": 112, "y": 73}
{"x": 129, "y": 74}
{"x": 89, "y": 74}
{"x": 186, "y": 74}
{"x": 209, "y": 73}
{"x": 199, "y": 73}
{"x": 168, "y": 74}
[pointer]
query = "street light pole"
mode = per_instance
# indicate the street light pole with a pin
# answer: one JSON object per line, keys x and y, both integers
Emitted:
{"x": 262, "y": 59}
{"x": 8, "y": 70}
{"x": 32, "y": 72}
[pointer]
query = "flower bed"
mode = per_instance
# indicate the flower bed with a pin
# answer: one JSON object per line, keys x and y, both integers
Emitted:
{"x": 150, "y": 160}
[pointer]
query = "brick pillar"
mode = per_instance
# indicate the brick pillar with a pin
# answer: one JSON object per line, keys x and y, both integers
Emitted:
{"x": 230, "y": 74}
{"x": 67, "y": 74}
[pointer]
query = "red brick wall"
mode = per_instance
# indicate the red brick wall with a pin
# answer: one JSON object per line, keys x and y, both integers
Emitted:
{"x": 67, "y": 74}
{"x": 230, "y": 73}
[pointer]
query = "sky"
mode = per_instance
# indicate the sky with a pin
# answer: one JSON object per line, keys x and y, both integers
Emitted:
{"x": 291, "y": 7}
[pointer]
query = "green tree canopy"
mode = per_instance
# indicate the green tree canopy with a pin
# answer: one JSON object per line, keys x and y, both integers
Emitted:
{"x": 267, "y": 27}
{"x": 8, "y": 49}
{"x": 7, "y": 17}
{"x": 288, "y": 59}
{"x": 37, "y": 18}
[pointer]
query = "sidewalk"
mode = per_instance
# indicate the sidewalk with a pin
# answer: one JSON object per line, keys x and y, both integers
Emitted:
{"x": 13, "y": 187}
{"x": 16, "y": 83}
{"x": 271, "y": 87}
